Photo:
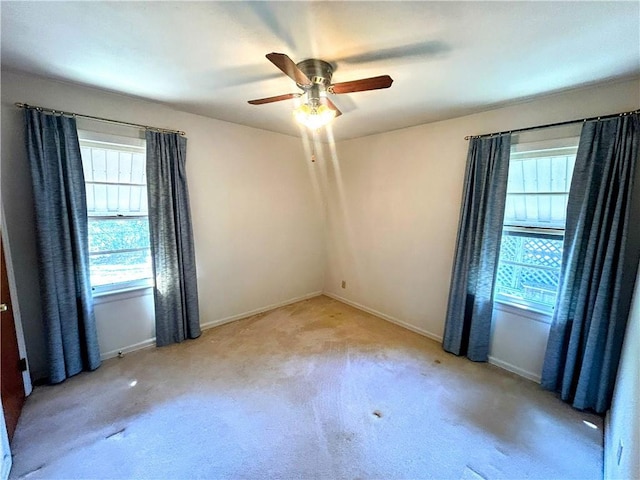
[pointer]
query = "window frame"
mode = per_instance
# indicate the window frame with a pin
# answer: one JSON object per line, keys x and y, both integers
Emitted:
{"x": 137, "y": 145}
{"x": 566, "y": 145}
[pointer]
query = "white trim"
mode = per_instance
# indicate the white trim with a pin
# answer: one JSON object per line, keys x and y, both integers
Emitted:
{"x": 137, "y": 143}
{"x": 239, "y": 316}
{"x": 151, "y": 342}
{"x": 121, "y": 294}
{"x": 512, "y": 368}
{"x": 494, "y": 361}
{"x": 547, "y": 148}
{"x": 13, "y": 292}
{"x": 215, "y": 323}
{"x": 608, "y": 447}
{"x": 386, "y": 317}
{"x": 204, "y": 326}
{"x": 522, "y": 311}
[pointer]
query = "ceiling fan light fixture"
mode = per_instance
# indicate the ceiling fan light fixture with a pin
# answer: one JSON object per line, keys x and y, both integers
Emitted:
{"x": 314, "y": 116}
{"x": 313, "y": 76}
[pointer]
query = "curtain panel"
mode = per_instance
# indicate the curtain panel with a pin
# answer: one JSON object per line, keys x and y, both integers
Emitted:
{"x": 470, "y": 307}
{"x": 599, "y": 265}
{"x": 172, "y": 249}
{"x": 63, "y": 247}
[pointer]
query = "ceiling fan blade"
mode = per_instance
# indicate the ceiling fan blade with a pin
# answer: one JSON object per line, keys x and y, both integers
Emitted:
{"x": 286, "y": 96}
{"x": 373, "y": 83}
{"x": 331, "y": 105}
{"x": 288, "y": 67}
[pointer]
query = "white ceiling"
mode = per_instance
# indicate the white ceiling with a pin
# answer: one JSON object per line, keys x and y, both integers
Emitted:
{"x": 446, "y": 58}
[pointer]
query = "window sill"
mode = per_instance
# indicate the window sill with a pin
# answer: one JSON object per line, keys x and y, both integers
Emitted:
{"x": 522, "y": 311}
{"x": 122, "y": 294}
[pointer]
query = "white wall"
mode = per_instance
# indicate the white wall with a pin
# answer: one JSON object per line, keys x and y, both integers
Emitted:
{"x": 257, "y": 220}
{"x": 125, "y": 322}
{"x": 623, "y": 420}
{"x": 519, "y": 340}
{"x": 393, "y": 207}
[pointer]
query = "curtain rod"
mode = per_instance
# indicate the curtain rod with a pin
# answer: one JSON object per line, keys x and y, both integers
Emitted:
{"x": 549, "y": 125}
{"x": 100, "y": 119}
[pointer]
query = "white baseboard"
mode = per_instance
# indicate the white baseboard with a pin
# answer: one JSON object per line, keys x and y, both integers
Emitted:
{"x": 239, "y": 316}
{"x": 151, "y": 342}
{"x": 609, "y": 452}
{"x": 494, "y": 361}
{"x": 384, "y": 316}
{"x": 512, "y": 368}
{"x": 214, "y": 323}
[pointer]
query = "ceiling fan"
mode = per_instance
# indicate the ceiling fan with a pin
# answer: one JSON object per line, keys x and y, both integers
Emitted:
{"x": 313, "y": 77}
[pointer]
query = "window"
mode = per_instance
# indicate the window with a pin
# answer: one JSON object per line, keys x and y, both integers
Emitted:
{"x": 533, "y": 232}
{"x": 115, "y": 180}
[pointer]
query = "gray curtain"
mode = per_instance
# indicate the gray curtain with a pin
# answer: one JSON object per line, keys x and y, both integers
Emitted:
{"x": 599, "y": 265}
{"x": 468, "y": 322}
{"x": 172, "y": 250}
{"x": 63, "y": 245}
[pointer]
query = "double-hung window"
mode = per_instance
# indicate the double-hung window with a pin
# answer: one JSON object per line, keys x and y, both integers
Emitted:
{"x": 115, "y": 181}
{"x": 533, "y": 232}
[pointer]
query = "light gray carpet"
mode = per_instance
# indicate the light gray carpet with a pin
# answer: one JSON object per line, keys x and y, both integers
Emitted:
{"x": 316, "y": 389}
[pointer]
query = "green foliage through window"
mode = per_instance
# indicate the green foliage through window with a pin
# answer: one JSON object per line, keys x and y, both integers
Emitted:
{"x": 119, "y": 251}
{"x": 108, "y": 234}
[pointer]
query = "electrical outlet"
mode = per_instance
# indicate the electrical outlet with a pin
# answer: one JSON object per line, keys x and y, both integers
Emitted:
{"x": 344, "y": 284}
{"x": 620, "y": 448}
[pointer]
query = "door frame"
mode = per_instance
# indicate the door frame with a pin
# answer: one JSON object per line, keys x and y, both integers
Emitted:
{"x": 17, "y": 319}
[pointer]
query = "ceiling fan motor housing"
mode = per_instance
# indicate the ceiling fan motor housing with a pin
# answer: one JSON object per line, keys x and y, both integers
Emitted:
{"x": 314, "y": 77}
{"x": 318, "y": 71}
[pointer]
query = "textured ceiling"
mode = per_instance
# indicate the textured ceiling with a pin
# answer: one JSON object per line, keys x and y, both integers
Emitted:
{"x": 446, "y": 58}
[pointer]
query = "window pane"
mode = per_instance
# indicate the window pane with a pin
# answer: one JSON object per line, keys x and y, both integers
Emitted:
{"x": 112, "y": 166}
{"x": 138, "y": 173}
{"x": 112, "y": 199}
{"x": 529, "y": 175}
{"x": 124, "y": 167}
{"x": 531, "y": 249}
{"x": 537, "y": 191}
{"x": 124, "y": 171}
{"x": 119, "y": 199}
{"x": 529, "y": 269}
{"x": 115, "y": 180}
{"x": 107, "y": 234}
{"x": 120, "y": 267}
{"x": 537, "y": 195}
{"x": 98, "y": 165}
